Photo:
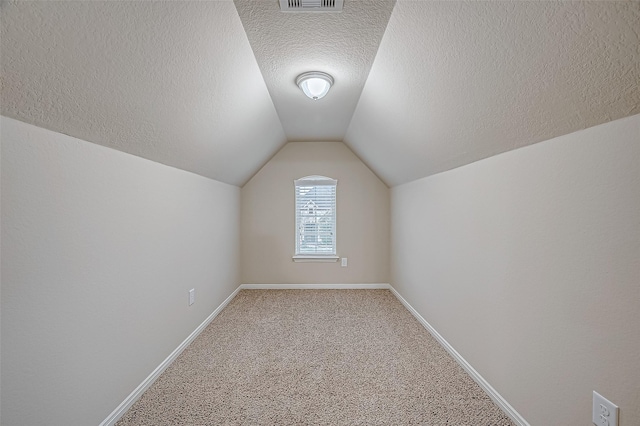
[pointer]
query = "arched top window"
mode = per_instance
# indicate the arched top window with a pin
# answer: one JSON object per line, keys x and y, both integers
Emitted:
{"x": 315, "y": 218}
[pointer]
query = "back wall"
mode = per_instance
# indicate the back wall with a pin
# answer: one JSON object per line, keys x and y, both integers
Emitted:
{"x": 268, "y": 215}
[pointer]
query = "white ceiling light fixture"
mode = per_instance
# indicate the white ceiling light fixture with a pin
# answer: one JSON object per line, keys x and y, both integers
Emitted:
{"x": 314, "y": 84}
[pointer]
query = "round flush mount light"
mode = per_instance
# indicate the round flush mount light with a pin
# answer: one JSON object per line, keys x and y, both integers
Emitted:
{"x": 315, "y": 84}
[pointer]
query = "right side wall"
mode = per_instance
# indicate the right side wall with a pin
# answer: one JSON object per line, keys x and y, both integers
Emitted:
{"x": 528, "y": 264}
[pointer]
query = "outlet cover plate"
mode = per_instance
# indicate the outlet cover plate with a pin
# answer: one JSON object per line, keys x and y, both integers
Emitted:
{"x": 192, "y": 296}
{"x": 605, "y": 412}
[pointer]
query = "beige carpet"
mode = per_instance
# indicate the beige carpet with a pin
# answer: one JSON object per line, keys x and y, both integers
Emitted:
{"x": 321, "y": 357}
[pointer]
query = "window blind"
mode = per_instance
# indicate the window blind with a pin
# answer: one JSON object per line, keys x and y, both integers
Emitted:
{"x": 315, "y": 216}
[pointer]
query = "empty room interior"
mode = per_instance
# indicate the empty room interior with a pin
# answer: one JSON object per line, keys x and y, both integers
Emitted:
{"x": 320, "y": 212}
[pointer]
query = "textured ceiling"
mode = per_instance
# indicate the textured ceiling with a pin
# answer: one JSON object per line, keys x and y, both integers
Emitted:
{"x": 174, "y": 82}
{"x": 455, "y": 82}
{"x": 341, "y": 44}
{"x": 208, "y": 86}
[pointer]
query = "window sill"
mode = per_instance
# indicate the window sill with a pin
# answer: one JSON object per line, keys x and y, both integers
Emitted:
{"x": 306, "y": 258}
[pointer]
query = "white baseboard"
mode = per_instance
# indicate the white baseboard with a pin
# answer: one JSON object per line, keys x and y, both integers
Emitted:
{"x": 493, "y": 394}
{"x": 314, "y": 286}
{"x": 137, "y": 393}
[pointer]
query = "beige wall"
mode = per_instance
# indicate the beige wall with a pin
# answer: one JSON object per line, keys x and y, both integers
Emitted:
{"x": 528, "y": 264}
{"x": 99, "y": 251}
{"x": 267, "y": 224}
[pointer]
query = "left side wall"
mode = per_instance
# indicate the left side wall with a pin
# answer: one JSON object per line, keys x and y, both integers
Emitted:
{"x": 99, "y": 251}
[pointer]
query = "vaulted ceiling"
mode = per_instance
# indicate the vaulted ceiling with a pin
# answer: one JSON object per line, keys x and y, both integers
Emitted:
{"x": 420, "y": 86}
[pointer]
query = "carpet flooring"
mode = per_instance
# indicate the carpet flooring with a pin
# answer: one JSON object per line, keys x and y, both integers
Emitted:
{"x": 314, "y": 357}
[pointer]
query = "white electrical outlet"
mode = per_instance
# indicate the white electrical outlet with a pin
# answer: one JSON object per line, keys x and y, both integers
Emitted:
{"x": 605, "y": 412}
{"x": 344, "y": 261}
{"x": 192, "y": 296}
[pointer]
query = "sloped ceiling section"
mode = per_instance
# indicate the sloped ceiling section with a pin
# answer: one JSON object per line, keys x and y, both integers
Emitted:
{"x": 455, "y": 82}
{"x": 174, "y": 82}
{"x": 342, "y": 44}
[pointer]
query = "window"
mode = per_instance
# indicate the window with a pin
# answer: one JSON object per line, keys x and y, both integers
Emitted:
{"x": 315, "y": 219}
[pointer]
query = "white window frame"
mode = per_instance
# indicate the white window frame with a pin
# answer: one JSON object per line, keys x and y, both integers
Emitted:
{"x": 307, "y": 256}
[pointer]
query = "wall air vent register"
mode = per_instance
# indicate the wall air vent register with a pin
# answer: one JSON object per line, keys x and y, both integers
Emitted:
{"x": 311, "y": 5}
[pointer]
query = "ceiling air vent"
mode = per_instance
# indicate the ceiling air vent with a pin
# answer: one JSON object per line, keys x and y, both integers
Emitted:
{"x": 311, "y": 5}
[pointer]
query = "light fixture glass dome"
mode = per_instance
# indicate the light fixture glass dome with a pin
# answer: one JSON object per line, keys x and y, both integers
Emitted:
{"x": 315, "y": 84}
